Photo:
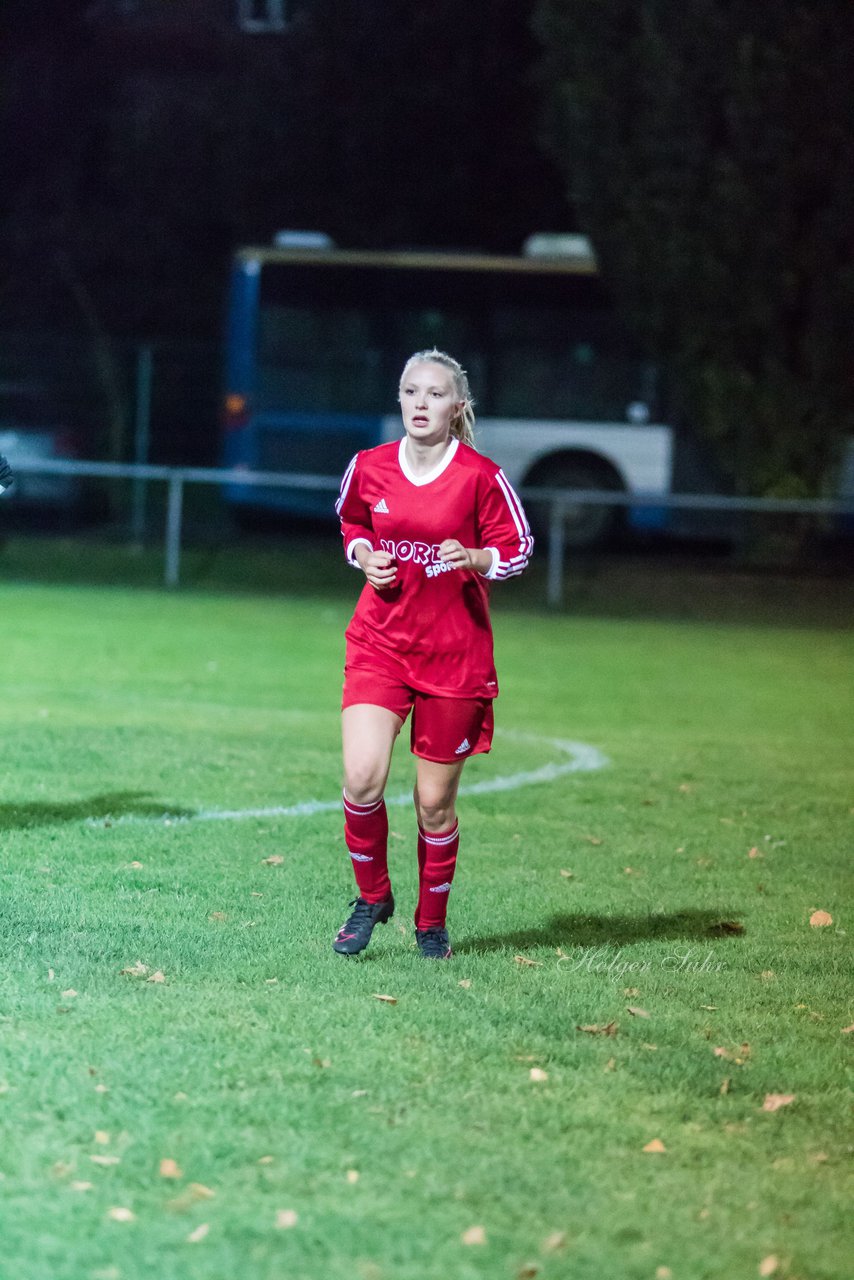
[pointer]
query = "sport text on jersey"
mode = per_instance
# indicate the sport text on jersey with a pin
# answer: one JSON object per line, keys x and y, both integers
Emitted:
{"x": 419, "y": 553}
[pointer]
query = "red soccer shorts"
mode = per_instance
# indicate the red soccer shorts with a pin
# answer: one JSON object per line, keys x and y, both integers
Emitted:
{"x": 444, "y": 730}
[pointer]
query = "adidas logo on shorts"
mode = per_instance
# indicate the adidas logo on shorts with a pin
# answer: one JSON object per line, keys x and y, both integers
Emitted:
{"x": 465, "y": 745}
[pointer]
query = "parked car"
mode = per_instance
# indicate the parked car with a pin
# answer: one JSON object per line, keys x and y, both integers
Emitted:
{"x": 31, "y": 431}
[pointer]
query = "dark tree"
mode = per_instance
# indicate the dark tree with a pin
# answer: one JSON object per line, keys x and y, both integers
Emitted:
{"x": 708, "y": 147}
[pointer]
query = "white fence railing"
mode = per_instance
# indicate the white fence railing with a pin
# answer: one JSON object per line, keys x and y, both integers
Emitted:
{"x": 560, "y": 502}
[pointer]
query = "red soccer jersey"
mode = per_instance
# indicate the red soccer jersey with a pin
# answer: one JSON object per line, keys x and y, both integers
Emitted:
{"x": 432, "y": 627}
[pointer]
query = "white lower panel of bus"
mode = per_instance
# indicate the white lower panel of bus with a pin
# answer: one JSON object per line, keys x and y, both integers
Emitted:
{"x": 642, "y": 456}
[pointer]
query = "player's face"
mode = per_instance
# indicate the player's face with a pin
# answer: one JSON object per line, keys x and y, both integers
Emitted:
{"x": 428, "y": 402}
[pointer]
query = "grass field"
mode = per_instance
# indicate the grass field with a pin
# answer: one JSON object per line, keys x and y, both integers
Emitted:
{"x": 478, "y": 1127}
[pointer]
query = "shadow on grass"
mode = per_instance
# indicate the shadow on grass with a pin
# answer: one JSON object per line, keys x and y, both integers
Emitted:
{"x": 112, "y": 804}
{"x": 610, "y": 931}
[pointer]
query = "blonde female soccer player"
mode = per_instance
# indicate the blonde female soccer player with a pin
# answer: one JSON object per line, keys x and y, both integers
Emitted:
{"x": 429, "y": 521}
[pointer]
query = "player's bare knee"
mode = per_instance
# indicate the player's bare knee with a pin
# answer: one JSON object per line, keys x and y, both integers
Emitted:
{"x": 364, "y": 785}
{"x": 436, "y": 812}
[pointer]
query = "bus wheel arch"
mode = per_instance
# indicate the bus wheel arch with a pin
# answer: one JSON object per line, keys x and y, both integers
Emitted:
{"x": 584, "y": 525}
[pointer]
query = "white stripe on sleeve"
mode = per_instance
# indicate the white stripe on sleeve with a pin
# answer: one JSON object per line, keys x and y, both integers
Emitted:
{"x": 345, "y": 483}
{"x": 516, "y": 564}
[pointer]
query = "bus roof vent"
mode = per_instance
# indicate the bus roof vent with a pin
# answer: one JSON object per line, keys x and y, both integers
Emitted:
{"x": 557, "y": 244}
{"x": 303, "y": 240}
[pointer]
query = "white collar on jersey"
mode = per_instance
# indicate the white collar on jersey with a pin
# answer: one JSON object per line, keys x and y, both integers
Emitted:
{"x": 440, "y": 466}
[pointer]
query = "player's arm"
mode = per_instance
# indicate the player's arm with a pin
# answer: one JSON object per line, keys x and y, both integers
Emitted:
{"x": 454, "y": 553}
{"x": 6, "y": 474}
{"x": 358, "y": 533}
{"x": 505, "y": 534}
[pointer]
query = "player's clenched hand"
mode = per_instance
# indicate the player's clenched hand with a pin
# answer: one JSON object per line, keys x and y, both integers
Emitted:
{"x": 378, "y": 567}
{"x": 454, "y": 553}
{"x": 5, "y": 473}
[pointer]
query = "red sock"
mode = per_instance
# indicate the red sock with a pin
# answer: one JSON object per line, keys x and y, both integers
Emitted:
{"x": 366, "y": 834}
{"x": 436, "y": 873}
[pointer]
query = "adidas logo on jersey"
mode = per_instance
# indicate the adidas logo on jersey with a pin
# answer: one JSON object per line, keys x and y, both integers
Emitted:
{"x": 465, "y": 745}
{"x": 381, "y": 507}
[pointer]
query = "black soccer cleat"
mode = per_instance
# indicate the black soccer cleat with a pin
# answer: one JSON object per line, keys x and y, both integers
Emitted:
{"x": 355, "y": 935}
{"x": 434, "y": 944}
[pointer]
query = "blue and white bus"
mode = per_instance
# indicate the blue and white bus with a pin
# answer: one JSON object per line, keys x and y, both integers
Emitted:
{"x": 317, "y": 337}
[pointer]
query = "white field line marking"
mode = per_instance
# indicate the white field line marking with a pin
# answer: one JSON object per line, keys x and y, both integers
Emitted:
{"x": 579, "y": 757}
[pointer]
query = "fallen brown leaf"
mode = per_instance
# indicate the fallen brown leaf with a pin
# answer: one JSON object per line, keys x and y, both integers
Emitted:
{"x": 265, "y": 1159}
{"x": 191, "y": 1195}
{"x": 637, "y": 1011}
{"x": 819, "y": 919}
{"x": 599, "y": 1028}
{"x": 464, "y": 982}
{"x": 773, "y": 1101}
{"x": 723, "y": 927}
{"x": 102, "y": 1137}
{"x": 105, "y": 1160}
{"x": 655, "y": 1147}
{"x": 119, "y": 1214}
{"x": 474, "y": 1235}
{"x": 69, "y": 994}
{"x": 385, "y": 999}
{"x": 725, "y": 1083}
{"x": 538, "y": 1075}
{"x": 528, "y": 1270}
{"x": 663, "y": 1273}
{"x": 769, "y": 1265}
{"x": 138, "y": 970}
{"x": 159, "y": 976}
{"x": 847, "y": 1030}
{"x": 610, "y": 1065}
{"x": 169, "y": 1168}
{"x": 81, "y": 1186}
{"x": 555, "y": 1241}
{"x": 199, "y": 1234}
{"x": 274, "y": 860}
{"x": 286, "y": 1218}
{"x": 567, "y": 875}
{"x": 352, "y": 1176}
{"x": 217, "y": 915}
{"x": 739, "y": 1057}
{"x": 592, "y": 839}
{"x": 523, "y": 960}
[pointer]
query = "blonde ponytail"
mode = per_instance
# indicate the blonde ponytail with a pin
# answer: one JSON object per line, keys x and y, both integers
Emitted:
{"x": 462, "y": 426}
